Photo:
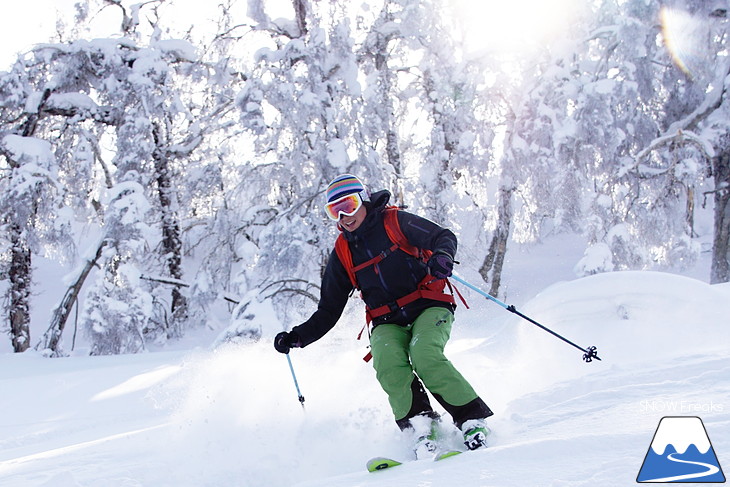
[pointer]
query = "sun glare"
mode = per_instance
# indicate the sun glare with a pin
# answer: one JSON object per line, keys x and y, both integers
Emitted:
{"x": 512, "y": 26}
{"x": 682, "y": 36}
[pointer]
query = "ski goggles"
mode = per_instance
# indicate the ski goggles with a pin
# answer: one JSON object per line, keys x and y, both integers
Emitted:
{"x": 347, "y": 206}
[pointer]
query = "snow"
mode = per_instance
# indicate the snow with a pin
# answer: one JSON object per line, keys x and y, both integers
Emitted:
{"x": 30, "y": 151}
{"x": 69, "y": 101}
{"x": 229, "y": 415}
{"x": 597, "y": 258}
{"x": 181, "y": 48}
{"x": 337, "y": 154}
{"x": 603, "y": 87}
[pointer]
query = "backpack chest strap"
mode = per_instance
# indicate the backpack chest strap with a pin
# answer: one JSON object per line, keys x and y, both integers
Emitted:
{"x": 375, "y": 260}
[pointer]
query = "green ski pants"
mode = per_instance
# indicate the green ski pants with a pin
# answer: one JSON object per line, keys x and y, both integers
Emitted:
{"x": 400, "y": 351}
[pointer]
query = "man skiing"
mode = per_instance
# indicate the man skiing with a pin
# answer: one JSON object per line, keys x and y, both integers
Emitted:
{"x": 381, "y": 251}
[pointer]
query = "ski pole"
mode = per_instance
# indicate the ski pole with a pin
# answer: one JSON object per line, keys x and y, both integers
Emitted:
{"x": 296, "y": 384}
{"x": 589, "y": 354}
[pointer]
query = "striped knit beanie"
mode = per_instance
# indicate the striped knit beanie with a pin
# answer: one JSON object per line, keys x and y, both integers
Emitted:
{"x": 343, "y": 185}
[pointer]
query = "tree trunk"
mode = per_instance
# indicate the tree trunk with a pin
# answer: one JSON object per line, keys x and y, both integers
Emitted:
{"x": 491, "y": 269}
{"x": 20, "y": 283}
{"x": 20, "y": 259}
{"x": 720, "y": 268}
{"x": 392, "y": 149}
{"x": 443, "y": 147}
{"x": 52, "y": 337}
{"x": 171, "y": 241}
{"x": 300, "y": 11}
{"x": 690, "y": 211}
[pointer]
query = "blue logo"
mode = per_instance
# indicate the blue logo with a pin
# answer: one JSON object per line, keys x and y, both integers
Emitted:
{"x": 681, "y": 452}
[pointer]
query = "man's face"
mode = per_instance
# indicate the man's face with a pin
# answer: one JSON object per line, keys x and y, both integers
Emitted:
{"x": 352, "y": 223}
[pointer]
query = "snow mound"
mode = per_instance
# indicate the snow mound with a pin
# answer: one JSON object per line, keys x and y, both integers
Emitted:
{"x": 634, "y": 316}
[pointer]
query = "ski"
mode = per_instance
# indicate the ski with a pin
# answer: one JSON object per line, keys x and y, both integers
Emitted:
{"x": 382, "y": 463}
{"x": 446, "y": 454}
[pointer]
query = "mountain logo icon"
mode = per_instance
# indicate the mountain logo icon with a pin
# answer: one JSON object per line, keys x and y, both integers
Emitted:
{"x": 680, "y": 452}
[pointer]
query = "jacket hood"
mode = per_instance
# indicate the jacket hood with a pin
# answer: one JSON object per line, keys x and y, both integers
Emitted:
{"x": 379, "y": 200}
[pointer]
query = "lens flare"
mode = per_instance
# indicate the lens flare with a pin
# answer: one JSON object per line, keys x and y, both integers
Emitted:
{"x": 682, "y": 37}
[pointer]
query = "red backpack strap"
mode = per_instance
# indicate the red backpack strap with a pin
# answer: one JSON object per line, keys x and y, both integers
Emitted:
{"x": 396, "y": 235}
{"x": 452, "y": 288}
{"x": 342, "y": 248}
{"x": 392, "y": 228}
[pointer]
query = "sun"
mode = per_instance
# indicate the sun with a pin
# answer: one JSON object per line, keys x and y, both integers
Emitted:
{"x": 509, "y": 26}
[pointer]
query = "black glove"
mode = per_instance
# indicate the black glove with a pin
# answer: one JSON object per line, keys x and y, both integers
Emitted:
{"x": 440, "y": 265}
{"x": 285, "y": 341}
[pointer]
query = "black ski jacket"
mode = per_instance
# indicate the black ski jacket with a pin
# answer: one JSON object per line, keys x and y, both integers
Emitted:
{"x": 394, "y": 277}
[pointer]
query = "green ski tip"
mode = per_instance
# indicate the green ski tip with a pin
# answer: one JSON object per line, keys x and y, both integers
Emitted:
{"x": 381, "y": 463}
{"x": 446, "y": 454}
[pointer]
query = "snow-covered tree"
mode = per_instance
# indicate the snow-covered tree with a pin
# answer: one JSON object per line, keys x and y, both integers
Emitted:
{"x": 156, "y": 104}
{"x": 33, "y": 218}
{"x": 301, "y": 104}
{"x": 647, "y": 178}
{"x": 177, "y": 165}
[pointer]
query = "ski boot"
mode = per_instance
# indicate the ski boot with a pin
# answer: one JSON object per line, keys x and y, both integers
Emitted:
{"x": 425, "y": 436}
{"x": 475, "y": 433}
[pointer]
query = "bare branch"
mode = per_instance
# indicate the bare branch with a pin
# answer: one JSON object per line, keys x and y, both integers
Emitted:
{"x": 179, "y": 283}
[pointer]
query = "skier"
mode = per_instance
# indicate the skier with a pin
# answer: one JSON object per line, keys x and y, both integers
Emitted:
{"x": 411, "y": 315}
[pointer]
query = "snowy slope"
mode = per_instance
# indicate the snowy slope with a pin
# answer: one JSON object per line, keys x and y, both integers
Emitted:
{"x": 230, "y": 417}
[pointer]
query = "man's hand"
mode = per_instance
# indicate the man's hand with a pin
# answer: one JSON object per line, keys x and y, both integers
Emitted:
{"x": 285, "y": 341}
{"x": 440, "y": 265}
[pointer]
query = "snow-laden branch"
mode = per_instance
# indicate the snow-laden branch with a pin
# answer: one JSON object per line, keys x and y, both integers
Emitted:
{"x": 79, "y": 105}
{"x": 712, "y": 102}
{"x": 681, "y": 130}
{"x": 681, "y": 137}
